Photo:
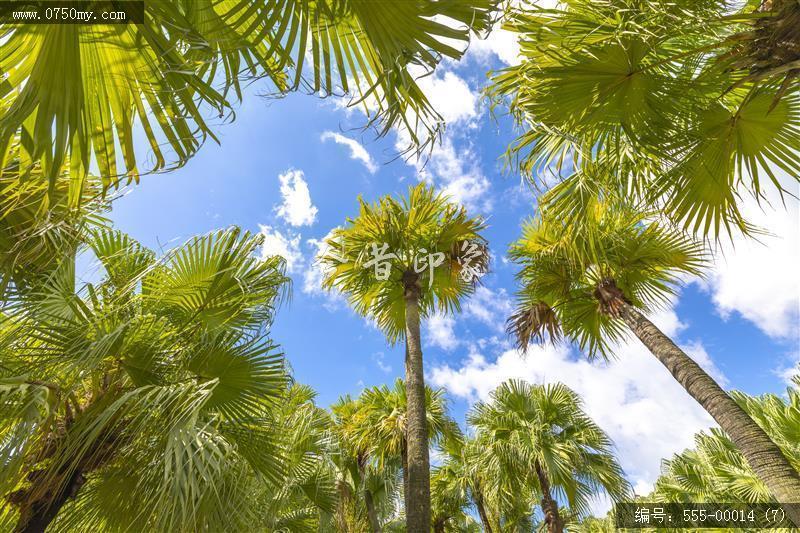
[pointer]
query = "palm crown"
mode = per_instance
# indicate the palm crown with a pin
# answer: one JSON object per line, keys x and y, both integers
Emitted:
{"x": 525, "y": 428}
{"x": 379, "y": 424}
{"x": 423, "y": 240}
{"x": 159, "y": 377}
{"x": 670, "y": 96}
{"x": 562, "y": 271}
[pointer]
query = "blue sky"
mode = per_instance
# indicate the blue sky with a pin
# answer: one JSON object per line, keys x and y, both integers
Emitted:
{"x": 293, "y": 168}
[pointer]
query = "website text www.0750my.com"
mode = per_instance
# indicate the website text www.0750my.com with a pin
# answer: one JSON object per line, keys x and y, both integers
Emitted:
{"x": 22, "y": 12}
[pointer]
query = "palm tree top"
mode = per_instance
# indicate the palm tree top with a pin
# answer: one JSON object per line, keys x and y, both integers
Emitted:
{"x": 421, "y": 243}
{"x": 375, "y": 422}
{"x": 523, "y": 425}
{"x": 690, "y": 103}
{"x": 568, "y": 274}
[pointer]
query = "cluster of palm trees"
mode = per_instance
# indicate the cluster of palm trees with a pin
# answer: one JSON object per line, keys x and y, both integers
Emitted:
{"x": 154, "y": 397}
{"x": 658, "y": 118}
{"x": 527, "y": 444}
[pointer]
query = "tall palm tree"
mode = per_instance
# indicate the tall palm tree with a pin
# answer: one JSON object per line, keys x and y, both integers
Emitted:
{"x": 686, "y": 104}
{"x": 593, "y": 284}
{"x": 142, "y": 401}
{"x": 540, "y": 434}
{"x": 76, "y": 92}
{"x": 381, "y": 427}
{"x": 398, "y": 262}
{"x": 715, "y": 471}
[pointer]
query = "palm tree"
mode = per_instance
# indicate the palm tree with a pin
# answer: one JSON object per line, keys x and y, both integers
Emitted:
{"x": 142, "y": 401}
{"x": 76, "y": 92}
{"x": 360, "y": 470}
{"x": 398, "y": 262}
{"x": 715, "y": 471}
{"x": 41, "y": 223}
{"x": 540, "y": 435}
{"x": 306, "y": 497}
{"x": 380, "y": 427}
{"x": 685, "y": 104}
{"x": 592, "y": 283}
{"x": 460, "y": 481}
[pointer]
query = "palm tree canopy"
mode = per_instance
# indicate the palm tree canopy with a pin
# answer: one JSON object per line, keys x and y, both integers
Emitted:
{"x": 79, "y": 93}
{"x": 675, "y": 97}
{"x": 562, "y": 267}
{"x": 424, "y": 236}
{"x": 305, "y": 498}
{"x": 524, "y": 424}
{"x": 157, "y": 378}
{"x": 378, "y": 423}
{"x": 715, "y": 471}
{"x": 461, "y": 479}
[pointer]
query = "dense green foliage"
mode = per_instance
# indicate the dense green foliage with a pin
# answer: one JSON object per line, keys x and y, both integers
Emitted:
{"x": 688, "y": 105}
{"x": 152, "y": 398}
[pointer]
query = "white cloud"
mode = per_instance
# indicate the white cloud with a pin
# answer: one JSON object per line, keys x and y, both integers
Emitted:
{"x": 296, "y": 208}
{"x": 454, "y": 171}
{"x": 457, "y": 174}
{"x": 490, "y": 307}
{"x": 287, "y": 246}
{"x": 790, "y": 370}
{"x": 759, "y": 280}
{"x": 380, "y": 361}
{"x": 633, "y": 398}
{"x": 314, "y": 273}
{"x": 357, "y": 150}
{"x": 440, "y": 331}
{"x": 450, "y": 96}
{"x": 500, "y": 43}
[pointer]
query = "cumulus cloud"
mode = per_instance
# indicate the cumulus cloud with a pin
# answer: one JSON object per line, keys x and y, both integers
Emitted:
{"x": 296, "y": 208}
{"x": 758, "y": 278}
{"x": 440, "y": 331}
{"x": 457, "y": 174}
{"x": 500, "y": 43}
{"x": 357, "y": 150}
{"x": 492, "y": 307}
{"x": 314, "y": 273}
{"x": 450, "y": 96}
{"x": 454, "y": 170}
{"x": 286, "y": 246}
{"x": 633, "y": 398}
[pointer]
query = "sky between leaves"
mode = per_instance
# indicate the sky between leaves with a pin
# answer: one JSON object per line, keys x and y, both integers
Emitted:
{"x": 293, "y": 168}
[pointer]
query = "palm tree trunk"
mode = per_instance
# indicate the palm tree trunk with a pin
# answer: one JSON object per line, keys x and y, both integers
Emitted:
{"x": 549, "y": 505}
{"x": 404, "y": 457}
{"x": 36, "y": 514}
{"x": 763, "y": 455}
{"x": 418, "y": 510}
{"x": 374, "y": 524}
{"x": 487, "y": 526}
